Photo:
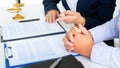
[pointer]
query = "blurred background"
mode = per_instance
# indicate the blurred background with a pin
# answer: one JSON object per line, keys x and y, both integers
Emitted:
{"x": 6, "y": 3}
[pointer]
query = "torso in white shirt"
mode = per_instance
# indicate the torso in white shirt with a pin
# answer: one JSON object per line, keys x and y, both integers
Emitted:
{"x": 72, "y": 4}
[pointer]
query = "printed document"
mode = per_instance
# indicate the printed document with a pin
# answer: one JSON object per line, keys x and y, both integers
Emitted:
{"x": 37, "y": 49}
{"x": 29, "y": 29}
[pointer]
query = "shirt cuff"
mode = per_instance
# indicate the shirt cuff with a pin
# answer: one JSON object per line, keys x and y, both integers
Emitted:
{"x": 97, "y": 34}
{"x": 101, "y": 53}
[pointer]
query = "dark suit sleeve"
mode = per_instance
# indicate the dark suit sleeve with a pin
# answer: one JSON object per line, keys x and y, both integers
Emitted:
{"x": 106, "y": 9}
{"x": 50, "y": 4}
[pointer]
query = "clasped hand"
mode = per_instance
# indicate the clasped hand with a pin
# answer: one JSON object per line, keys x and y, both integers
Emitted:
{"x": 79, "y": 40}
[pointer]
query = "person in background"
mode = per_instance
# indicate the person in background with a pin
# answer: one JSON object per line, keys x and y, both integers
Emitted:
{"x": 92, "y": 12}
{"x": 86, "y": 43}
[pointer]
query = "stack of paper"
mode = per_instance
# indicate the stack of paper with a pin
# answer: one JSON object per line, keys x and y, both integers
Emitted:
{"x": 29, "y": 29}
{"x": 33, "y": 42}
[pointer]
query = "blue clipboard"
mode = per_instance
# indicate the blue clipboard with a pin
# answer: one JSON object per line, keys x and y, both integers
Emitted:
{"x": 22, "y": 65}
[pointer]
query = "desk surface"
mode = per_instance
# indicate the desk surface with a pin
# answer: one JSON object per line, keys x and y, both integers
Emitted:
{"x": 31, "y": 12}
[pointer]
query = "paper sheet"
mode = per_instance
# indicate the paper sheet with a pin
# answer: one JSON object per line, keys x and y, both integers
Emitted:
{"x": 37, "y": 49}
{"x": 28, "y": 29}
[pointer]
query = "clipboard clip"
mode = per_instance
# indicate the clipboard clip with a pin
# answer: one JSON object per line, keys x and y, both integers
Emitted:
{"x": 8, "y": 52}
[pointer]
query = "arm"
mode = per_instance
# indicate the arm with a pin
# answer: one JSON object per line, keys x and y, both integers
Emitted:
{"x": 106, "y": 55}
{"x": 106, "y": 31}
{"x": 50, "y": 4}
{"x": 80, "y": 40}
{"x": 106, "y": 9}
{"x": 101, "y": 53}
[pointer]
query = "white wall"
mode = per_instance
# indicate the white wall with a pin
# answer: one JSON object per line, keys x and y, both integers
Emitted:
{"x": 5, "y": 3}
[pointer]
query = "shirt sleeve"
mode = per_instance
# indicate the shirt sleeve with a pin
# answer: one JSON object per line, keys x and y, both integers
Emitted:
{"x": 106, "y": 55}
{"x": 107, "y": 31}
{"x": 50, "y": 5}
{"x": 101, "y": 53}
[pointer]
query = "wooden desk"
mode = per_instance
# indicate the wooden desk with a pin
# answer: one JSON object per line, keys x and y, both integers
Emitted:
{"x": 31, "y": 12}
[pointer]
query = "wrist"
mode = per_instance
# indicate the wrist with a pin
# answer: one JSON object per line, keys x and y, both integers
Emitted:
{"x": 80, "y": 20}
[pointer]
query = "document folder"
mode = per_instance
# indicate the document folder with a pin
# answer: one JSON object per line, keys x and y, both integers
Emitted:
{"x": 18, "y": 31}
{"x": 23, "y": 52}
{"x": 32, "y": 42}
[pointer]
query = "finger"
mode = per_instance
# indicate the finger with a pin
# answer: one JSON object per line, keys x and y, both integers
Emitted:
{"x": 60, "y": 19}
{"x": 67, "y": 42}
{"x": 53, "y": 18}
{"x": 68, "y": 45}
{"x": 70, "y": 36}
{"x": 68, "y": 48}
{"x": 77, "y": 29}
{"x": 74, "y": 31}
{"x": 68, "y": 12}
{"x": 66, "y": 19}
{"x": 48, "y": 18}
{"x": 83, "y": 29}
{"x": 63, "y": 14}
{"x": 58, "y": 15}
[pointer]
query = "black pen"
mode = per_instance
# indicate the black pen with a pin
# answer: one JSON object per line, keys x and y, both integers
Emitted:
{"x": 29, "y": 20}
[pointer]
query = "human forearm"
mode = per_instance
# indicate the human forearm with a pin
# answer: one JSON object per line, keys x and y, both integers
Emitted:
{"x": 105, "y": 32}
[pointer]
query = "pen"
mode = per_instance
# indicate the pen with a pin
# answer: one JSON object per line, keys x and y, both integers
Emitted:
{"x": 55, "y": 63}
{"x": 29, "y": 20}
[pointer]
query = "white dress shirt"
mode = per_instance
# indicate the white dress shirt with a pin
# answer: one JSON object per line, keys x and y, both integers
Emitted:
{"x": 105, "y": 54}
{"x": 72, "y": 4}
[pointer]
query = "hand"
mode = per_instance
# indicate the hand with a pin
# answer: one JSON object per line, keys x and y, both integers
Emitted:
{"x": 71, "y": 17}
{"x": 83, "y": 41}
{"x": 51, "y": 16}
{"x": 68, "y": 40}
{"x": 79, "y": 40}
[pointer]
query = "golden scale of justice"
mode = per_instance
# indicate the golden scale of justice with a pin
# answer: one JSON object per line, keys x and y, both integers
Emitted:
{"x": 16, "y": 8}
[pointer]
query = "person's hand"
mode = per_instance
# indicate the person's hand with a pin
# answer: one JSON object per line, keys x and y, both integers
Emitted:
{"x": 52, "y": 15}
{"x": 71, "y": 17}
{"x": 82, "y": 41}
{"x": 68, "y": 40}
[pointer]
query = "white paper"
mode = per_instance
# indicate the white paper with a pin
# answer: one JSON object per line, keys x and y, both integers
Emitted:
{"x": 37, "y": 49}
{"x": 28, "y": 29}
